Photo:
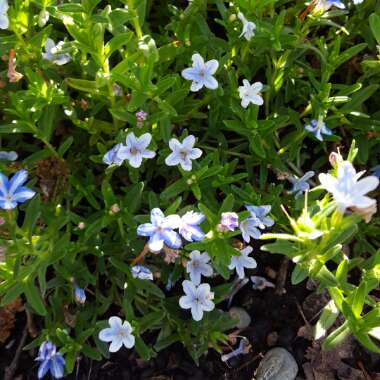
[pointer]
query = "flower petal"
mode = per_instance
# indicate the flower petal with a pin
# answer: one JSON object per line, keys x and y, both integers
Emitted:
{"x": 212, "y": 66}
{"x": 210, "y": 82}
{"x": 173, "y": 159}
{"x": 129, "y": 341}
{"x": 4, "y": 184}
{"x": 22, "y": 194}
{"x": 18, "y": 179}
{"x": 185, "y": 302}
{"x": 366, "y": 185}
{"x": 188, "y": 142}
{"x": 116, "y": 344}
{"x": 146, "y": 229}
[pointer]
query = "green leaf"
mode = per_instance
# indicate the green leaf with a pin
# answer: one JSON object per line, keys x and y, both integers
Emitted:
{"x": 33, "y": 296}
{"x": 298, "y": 275}
{"x": 358, "y": 299}
{"x": 336, "y": 337}
{"x": 374, "y": 23}
{"x": 328, "y": 317}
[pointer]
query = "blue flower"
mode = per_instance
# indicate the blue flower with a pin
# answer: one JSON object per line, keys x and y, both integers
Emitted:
{"x": 259, "y": 214}
{"x": 160, "y": 230}
{"x": 113, "y": 156}
{"x": 376, "y": 171}
{"x": 189, "y": 227}
{"x": 141, "y": 272}
{"x": 50, "y": 360}
{"x": 229, "y": 221}
{"x": 335, "y": 3}
{"x": 318, "y": 128}
{"x": 80, "y": 295}
{"x": 8, "y": 156}
{"x": 300, "y": 185}
{"x": 12, "y": 192}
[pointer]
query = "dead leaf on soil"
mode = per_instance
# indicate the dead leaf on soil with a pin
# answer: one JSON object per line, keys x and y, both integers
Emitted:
{"x": 8, "y": 317}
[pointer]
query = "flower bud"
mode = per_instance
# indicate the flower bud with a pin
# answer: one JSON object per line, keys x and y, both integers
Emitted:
{"x": 80, "y": 295}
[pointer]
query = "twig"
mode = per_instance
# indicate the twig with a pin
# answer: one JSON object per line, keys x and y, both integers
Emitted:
{"x": 141, "y": 256}
{"x": 10, "y": 371}
{"x": 281, "y": 278}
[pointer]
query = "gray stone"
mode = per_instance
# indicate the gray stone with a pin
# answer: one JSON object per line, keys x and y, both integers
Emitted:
{"x": 242, "y": 317}
{"x": 277, "y": 364}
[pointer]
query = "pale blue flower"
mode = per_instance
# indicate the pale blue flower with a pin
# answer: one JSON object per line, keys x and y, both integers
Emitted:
{"x": 197, "y": 298}
{"x": 4, "y": 21}
{"x": 142, "y": 272}
{"x": 118, "y": 334}
{"x": 250, "y": 93}
{"x": 229, "y": 221}
{"x": 198, "y": 265}
{"x": 318, "y": 128}
{"x": 346, "y": 188}
{"x": 8, "y": 156}
{"x": 135, "y": 149}
{"x": 160, "y": 230}
{"x": 201, "y": 73}
{"x": 300, "y": 185}
{"x": 336, "y": 3}
{"x": 259, "y": 214}
{"x": 356, "y": 2}
{"x": 54, "y": 54}
{"x": 183, "y": 153}
{"x": 80, "y": 295}
{"x": 112, "y": 157}
{"x": 50, "y": 360}
{"x": 13, "y": 191}
{"x": 249, "y": 27}
{"x": 241, "y": 261}
{"x": 189, "y": 227}
{"x": 248, "y": 228}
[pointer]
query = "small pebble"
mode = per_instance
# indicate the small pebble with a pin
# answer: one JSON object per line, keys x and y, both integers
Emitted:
{"x": 277, "y": 364}
{"x": 243, "y": 318}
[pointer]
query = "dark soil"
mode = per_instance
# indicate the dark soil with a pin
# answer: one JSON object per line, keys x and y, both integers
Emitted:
{"x": 276, "y": 320}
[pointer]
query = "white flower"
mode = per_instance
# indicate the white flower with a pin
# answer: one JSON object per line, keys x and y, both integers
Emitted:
{"x": 118, "y": 334}
{"x": 201, "y": 73}
{"x": 249, "y": 27}
{"x": 242, "y": 261}
{"x": 197, "y": 298}
{"x": 4, "y": 21}
{"x": 112, "y": 156}
{"x": 357, "y": 1}
{"x": 135, "y": 149}
{"x": 183, "y": 153}
{"x": 346, "y": 188}
{"x": 251, "y": 93}
{"x": 53, "y": 53}
{"x": 198, "y": 265}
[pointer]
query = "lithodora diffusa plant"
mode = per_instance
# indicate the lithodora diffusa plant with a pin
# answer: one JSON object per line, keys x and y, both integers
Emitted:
{"x": 147, "y": 147}
{"x": 320, "y": 248}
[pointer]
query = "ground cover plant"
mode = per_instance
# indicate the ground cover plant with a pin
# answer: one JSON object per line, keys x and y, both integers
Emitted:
{"x": 156, "y": 156}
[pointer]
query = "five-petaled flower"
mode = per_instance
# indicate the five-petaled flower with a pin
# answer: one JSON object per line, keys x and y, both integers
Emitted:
{"x": 141, "y": 272}
{"x": 300, "y": 185}
{"x": 160, "y": 230}
{"x": 197, "y": 298}
{"x": 346, "y": 188}
{"x": 251, "y": 226}
{"x": 53, "y": 53}
{"x": 189, "y": 226}
{"x": 251, "y": 93}
{"x": 119, "y": 333}
{"x": 135, "y": 149}
{"x": 50, "y": 360}
{"x": 198, "y": 265}
{"x": 112, "y": 157}
{"x": 241, "y": 261}
{"x": 229, "y": 221}
{"x": 318, "y": 128}
{"x": 249, "y": 27}
{"x": 201, "y": 73}
{"x": 13, "y": 191}
{"x": 4, "y": 21}
{"x": 183, "y": 153}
